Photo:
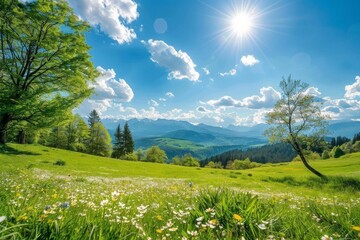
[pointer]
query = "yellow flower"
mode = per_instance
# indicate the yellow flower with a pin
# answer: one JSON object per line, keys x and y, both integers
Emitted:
{"x": 22, "y": 218}
{"x": 237, "y": 217}
{"x": 159, "y": 231}
{"x": 356, "y": 228}
{"x": 158, "y": 217}
{"x": 213, "y": 221}
{"x": 54, "y": 195}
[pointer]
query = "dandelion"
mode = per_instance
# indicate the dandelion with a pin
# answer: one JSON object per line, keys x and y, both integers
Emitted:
{"x": 54, "y": 196}
{"x": 237, "y": 217}
{"x": 356, "y": 228}
{"x": 159, "y": 231}
{"x": 158, "y": 217}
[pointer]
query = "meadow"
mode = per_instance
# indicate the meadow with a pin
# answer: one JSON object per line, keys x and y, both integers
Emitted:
{"x": 48, "y": 193}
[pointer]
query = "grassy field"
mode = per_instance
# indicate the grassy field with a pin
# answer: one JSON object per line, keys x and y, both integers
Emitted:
{"x": 100, "y": 198}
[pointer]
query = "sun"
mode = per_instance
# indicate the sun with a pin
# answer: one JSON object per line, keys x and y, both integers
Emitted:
{"x": 242, "y": 24}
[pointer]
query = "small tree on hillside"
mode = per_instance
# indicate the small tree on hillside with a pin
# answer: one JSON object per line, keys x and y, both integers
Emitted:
{"x": 101, "y": 141}
{"x": 296, "y": 119}
{"x": 155, "y": 154}
{"x": 118, "y": 147}
{"x": 128, "y": 140}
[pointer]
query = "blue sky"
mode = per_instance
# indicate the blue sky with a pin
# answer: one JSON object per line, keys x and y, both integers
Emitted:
{"x": 220, "y": 62}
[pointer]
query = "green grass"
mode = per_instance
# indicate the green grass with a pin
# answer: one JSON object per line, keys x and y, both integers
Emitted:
{"x": 91, "y": 197}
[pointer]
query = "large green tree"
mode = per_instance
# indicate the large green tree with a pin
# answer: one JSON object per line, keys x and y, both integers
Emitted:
{"x": 155, "y": 154}
{"x": 296, "y": 119}
{"x": 44, "y": 62}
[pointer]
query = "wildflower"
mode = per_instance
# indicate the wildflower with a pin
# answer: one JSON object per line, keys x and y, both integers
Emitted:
{"x": 209, "y": 210}
{"x": 54, "y": 196}
{"x": 326, "y": 237}
{"x": 2, "y": 218}
{"x": 104, "y": 202}
{"x": 173, "y": 229}
{"x": 356, "y": 228}
{"x": 237, "y": 217}
{"x": 262, "y": 226}
{"x": 199, "y": 219}
{"x": 159, "y": 231}
{"x": 158, "y": 217}
{"x": 64, "y": 205}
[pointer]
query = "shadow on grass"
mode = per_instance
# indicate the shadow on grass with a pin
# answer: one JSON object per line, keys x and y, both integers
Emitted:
{"x": 12, "y": 151}
{"x": 340, "y": 183}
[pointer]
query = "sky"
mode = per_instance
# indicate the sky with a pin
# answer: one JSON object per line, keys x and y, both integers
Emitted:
{"x": 220, "y": 62}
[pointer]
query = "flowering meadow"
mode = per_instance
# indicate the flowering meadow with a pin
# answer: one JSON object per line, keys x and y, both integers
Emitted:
{"x": 38, "y": 204}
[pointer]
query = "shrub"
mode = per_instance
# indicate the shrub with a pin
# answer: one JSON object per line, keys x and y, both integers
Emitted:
{"x": 60, "y": 162}
{"x": 338, "y": 152}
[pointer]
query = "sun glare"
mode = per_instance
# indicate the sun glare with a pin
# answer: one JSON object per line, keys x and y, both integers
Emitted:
{"x": 242, "y": 24}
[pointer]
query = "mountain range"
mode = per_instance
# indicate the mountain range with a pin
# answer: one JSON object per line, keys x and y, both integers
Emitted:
{"x": 202, "y": 141}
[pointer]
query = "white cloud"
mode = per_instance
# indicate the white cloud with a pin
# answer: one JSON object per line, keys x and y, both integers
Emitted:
{"x": 169, "y": 95}
{"x": 312, "y": 91}
{"x": 231, "y": 72}
{"x": 178, "y": 63}
{"x": 267, "y": 99}
{"x": 162, "y": 99}
{"x": 206, "y": 71}
{"x": 249, "y": 60}
{"x": 153, "y": 103}
{"x": 106, "y": 87}
{"x": 202, "y": 109}
{"x": 108, "y": 92}
{"x": 353, "y": 90}
{"x": 111, "y": 16}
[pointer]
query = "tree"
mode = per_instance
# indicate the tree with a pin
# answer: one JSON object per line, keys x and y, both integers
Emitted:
{"x": 128, "y": 140}
{"x": 296, "y": 119}
{"x": 101, "y": 141}
{"x": 93, "y": 118}
{"x": 44, "y": 62}
{"x": 118, "y": 147}
{"x": 190, "y": 161}
{"x": 155, "y": 154}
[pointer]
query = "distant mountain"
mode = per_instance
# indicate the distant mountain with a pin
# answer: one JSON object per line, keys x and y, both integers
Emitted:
{"x": 345, "y": 129}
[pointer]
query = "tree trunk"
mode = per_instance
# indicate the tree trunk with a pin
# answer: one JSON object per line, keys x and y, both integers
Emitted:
{"x": 21, "y": 137}
{"x": 4, "y": 123}
{"x": 304, "y": 161}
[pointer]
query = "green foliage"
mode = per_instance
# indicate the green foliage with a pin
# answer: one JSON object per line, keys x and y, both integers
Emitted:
{"x": 128, "y": 140}
{"x": 130, "y": 157}
{"x": 100, "y": 141}
{"x": 60, "y": 162}
{"x": 118, "y": 146}
{"x": 155, "y": 154}
{"x": 93, "y": 118}
{"x": 338, "y": 152}
{"x": 45, "y": 64}
{"x": 240, "y": 214}
{"x": 325, "y": 154}
{"x": 297, "y": 119}
{"x": 243, "y": 164}
{"x": 186, "y": 160}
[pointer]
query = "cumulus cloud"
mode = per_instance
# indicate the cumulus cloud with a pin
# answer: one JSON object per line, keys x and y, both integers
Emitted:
{"x": 106, "y": 87}
{"x": 202, "y": 109}
{"x": 312, "y": 91}
{"x": 231, "y": 72}
{"x": 111, "y": 16}
{"x": 178, "y": 63}
{"x": 267, "y": 99}
{"x": 108, "y": 93}
{"x": 353, "y": 90}
{"x": 249, "y": 60}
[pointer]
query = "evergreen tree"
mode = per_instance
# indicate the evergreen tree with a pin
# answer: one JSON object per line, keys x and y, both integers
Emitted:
{"x": 118, "y": 147}
{"x": 128, "y": 140}
{"x": 93, "y": 118}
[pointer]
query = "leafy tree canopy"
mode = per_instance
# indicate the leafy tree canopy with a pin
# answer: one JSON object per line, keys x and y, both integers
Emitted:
{"x": 44, "y": 62}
